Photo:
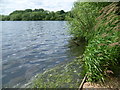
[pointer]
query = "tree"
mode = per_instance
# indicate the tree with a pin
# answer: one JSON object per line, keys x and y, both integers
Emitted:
{"x": 4, "y": 18}
{"x": 28, "y": 10}
{"x": 26, "y": 16}
{"x": 36, "y": 14}
{"x": 39, "y": 10}
{"x": 15, "y": 17}
{"x": 17, "y": 12}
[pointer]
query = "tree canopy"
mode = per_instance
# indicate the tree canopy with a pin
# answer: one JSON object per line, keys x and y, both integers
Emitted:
{"x": 34, "y": 15}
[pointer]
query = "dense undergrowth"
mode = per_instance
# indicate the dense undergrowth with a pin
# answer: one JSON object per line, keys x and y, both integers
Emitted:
{"x": 100, "y": 26}
{"x": 82, "y": 18}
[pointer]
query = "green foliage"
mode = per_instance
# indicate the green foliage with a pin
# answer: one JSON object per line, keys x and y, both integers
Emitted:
{"x": 101, "y": 56}
{"x": 103, "y": 51}
{"x": 82, "y": 18}
{"x": 4, "y": 17}
{"x": 99, "y": 25}
{"x": 28, "y": 10}
{"x": 17, "y": 12}
{"x": 15, "y": 17}
{"x": 34, "y": 15}
{"x": 26, "y": 16}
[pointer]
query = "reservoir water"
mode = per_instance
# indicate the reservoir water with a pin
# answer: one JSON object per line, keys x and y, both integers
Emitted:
{"x": 31, "y": 47}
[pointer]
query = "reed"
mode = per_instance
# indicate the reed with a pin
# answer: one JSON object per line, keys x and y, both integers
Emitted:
{"x": 103, "y": 51}
{"x": 100, "y": 27}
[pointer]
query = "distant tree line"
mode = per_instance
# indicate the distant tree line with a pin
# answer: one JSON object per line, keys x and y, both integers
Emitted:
{"x": 34, "y": 15}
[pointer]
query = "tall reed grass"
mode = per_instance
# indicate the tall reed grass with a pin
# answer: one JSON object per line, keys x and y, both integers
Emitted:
{"x": 101, "y": 27}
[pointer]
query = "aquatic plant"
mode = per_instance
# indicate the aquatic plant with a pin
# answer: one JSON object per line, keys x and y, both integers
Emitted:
{"x": 62, "y": 76}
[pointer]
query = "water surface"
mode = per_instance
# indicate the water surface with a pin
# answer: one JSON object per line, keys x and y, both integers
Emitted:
{"x": 31, "y": 47}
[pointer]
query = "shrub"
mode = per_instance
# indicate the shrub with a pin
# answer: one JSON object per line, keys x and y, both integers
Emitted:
{"x": 82, "y": 18}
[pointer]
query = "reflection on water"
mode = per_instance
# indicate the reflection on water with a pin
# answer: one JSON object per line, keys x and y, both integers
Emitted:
{"x": 32, "y": 47}
{"x": 76, "y": 47}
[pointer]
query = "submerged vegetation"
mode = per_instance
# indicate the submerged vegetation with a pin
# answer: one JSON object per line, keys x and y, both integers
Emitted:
{"x": 34, "y": 15}
{"x": 66, "y": 74}
{"x": 63, "y": 76}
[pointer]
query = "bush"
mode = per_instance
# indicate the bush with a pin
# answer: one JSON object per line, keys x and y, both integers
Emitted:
{"x": 82, "y": 18}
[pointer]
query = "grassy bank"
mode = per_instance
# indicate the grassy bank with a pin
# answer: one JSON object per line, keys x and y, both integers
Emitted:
{"x": 100, "y": 26}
